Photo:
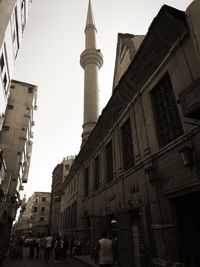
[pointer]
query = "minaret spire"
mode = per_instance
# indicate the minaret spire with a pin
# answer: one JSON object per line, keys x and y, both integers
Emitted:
{"x": 91, "y": 60}
{"x": 90, "y": 17}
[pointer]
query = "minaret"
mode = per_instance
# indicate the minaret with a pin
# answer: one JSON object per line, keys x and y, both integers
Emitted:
{"x": 91, "y": 61}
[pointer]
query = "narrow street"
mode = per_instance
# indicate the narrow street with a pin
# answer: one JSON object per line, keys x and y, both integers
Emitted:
{"x": 26, "y": 262}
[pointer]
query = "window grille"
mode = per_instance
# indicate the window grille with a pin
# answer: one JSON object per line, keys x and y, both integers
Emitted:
{"x": 167, "y": 118}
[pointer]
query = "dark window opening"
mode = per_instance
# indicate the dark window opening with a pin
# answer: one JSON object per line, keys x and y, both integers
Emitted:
{"x": 127, "y": 145}
{"x": 10, "y": 106}
{"x": 109, "y": 162}
{"x": 96, "y": 173}
{"x": 41, "y": 219}
{"x": 86, "y": 182}
{"x": 30, "y": 90}
{"x": 2, "y": 62}
{"x": 5, "y": 81}
{"x": 5, "y": 128}
{"x": 42, "y": 209}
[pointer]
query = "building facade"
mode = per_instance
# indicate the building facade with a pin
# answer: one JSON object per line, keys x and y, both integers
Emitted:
{"x": 58, "y": 177}
{"x": 35, "y": 216}
{"x": 137, "y": 176}
{"x": 16, "y": 143}
{"x": 13, "y": 20}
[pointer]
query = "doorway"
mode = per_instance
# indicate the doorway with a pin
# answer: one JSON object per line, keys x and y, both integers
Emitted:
{"x": 187, "y": 213}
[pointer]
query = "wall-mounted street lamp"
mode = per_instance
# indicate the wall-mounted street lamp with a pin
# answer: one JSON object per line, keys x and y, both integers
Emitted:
{"x": 151, "y": 174}
{"x": 187, "y": 155}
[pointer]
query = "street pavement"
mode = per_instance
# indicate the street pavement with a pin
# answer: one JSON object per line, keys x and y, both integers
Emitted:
{"x": 26, "y": 262}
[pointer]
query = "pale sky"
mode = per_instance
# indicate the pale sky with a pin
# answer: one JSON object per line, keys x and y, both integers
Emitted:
{"x": 49, "y": 58}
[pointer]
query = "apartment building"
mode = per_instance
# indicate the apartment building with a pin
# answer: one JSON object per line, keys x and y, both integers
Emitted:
{"x": 16, "y": 143}
{"x": 13, "y": 20}
{"x": 35, "y": 216}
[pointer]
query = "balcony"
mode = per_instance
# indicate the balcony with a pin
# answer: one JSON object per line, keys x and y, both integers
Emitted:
{"x": 189, "y": 99}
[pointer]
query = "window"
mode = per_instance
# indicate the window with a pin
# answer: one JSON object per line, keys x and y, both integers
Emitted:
{"x": 35, "y": 209}
{"x": 42, "y": 209}
{"x": 30, "y": 90}
{"x": 96, "y": 173}
{"x": 2, "y": 62}
{"x": 167, "y": 119}
{"x": 67, "y": 167}
{"x": 43, "y": 199}
{"x": 10, "y": 106}
{"x": 5, "y": 81}
{"x": 23, "y": 14}
{"x": 6, "y": 128}
{"x": 41, "y": 219}
{"x": 127, "y": 145}
{"x": 109, "y": 162}
{"x": 86, "y": 182}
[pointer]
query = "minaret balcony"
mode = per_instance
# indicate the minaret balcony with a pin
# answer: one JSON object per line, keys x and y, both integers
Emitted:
{"x": 91, "y": 56}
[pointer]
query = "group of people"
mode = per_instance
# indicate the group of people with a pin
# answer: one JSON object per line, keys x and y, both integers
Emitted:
{"x": 44, "y": 246}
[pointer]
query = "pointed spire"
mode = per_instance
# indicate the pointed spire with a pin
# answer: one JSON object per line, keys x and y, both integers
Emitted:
{"x": 90, "y": 17}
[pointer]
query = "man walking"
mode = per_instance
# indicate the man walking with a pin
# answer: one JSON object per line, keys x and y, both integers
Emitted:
{"x": 49, "y": 240}
{"x": 104, "y": 247}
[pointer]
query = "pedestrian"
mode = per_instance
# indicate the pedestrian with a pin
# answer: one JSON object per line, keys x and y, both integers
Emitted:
{"x": 49, "y": 240}
{"x": 72, "y": 244}
{"x": 37, "y": 246}
{"x": 104, "y": 248}
{"x": 42, "y": 245}
{"x": 65, "y": 247}
{"x": 58, "y": 249}
{"x": 32, "y": 249}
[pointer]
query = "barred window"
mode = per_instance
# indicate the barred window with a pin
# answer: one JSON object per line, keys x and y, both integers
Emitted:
{"x": 109, "y": 162}
{"x": 96, "y": 173}
{"x": 127, "y": 145}
{"x": 167, "y": 118}
{"x": 86, "y": 181}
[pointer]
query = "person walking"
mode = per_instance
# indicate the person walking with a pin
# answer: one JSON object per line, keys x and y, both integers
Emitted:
{"x": 104, "y": 247}
{"x": 58, "y": 249}
{"x": 65, "y": 247}
{"x": 32, "y": 249}
{"x": 37, "y": 246}
{"x": 42, "y": 245}
{"x": 49, "y": 240}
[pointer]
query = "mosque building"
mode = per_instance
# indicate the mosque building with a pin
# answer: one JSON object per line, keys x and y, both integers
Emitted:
{"x": 137, "y": 173}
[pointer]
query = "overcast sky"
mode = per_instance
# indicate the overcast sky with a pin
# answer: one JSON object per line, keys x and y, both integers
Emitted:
{"x": 49, "y": 58}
